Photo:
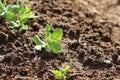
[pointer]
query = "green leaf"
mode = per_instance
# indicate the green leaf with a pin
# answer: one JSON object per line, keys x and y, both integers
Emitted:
{"x": 21, "y": 9}
{"x": 3, "y": 14}
{"x": 48, "y": 35}
{"x": 57, "y": 34}
{"x": 49, "y": 27}
{"x": 2, "y": 7}
{"x": 38, "y": 41}
{"x": 10, "y": 16}
{"x": 57, "y": 73}
{"x": 24, "y": 18}
{"x": 13, "y": 8}
{"x": 14, "y": 24}
{"x": 63, "y": 77}
{"x": 55, "y": 46}
{"x": 61, "y": 74}
{"x": 24, "y": 27}
{"x": 4, "y": 2}
{"x": 27, "y": 10}
{"x": 65, "y": 69}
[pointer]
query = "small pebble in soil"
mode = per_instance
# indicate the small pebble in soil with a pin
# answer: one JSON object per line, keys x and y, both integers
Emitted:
{"x": 1, "y": 57}
{"x": 107, "y": 61}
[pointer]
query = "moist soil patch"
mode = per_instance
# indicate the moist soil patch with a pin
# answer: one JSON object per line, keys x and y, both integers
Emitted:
{"x": 91, "y": 42}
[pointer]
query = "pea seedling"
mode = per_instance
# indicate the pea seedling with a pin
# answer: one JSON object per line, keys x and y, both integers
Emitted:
{"x": 16, "y": 15}
{"x": 61, "y": 74}
{"x": 39, "y": 43}
{"x": 51, "y": 39}
{"x": 8, "y": 12}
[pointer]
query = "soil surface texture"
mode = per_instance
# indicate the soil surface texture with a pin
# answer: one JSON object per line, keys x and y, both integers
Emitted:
{"x": 91, "y": 41}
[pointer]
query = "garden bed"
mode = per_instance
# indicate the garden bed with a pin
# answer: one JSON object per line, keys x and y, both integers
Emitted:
{"x": 91, "y": 42}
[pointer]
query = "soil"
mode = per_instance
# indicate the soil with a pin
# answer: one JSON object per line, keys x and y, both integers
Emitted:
{"x": 91, "y": 41}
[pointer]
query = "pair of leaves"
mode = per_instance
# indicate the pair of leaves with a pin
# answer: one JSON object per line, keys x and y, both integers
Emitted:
{"x": 11, "y": 11}
{"x": 53, "y": 38}
{"x": 8, "y": 12}
{"x": 61, "y": 74}
{"x": 56, "y": 35}
{"x": 5, "y": 13}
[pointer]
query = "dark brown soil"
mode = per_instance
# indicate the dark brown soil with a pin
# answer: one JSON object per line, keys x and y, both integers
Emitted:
{"x": 91, "y": 42}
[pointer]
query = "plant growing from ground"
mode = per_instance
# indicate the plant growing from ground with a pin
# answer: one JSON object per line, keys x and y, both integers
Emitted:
{"x": 51, "y": 39}
{"x": 16, "y": 15}
{"x": 61, "y": 74}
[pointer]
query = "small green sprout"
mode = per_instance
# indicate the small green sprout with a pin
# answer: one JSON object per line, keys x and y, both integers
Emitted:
{"x": 16, "y": 15}
{"x": 51, "y": 39}
{"x": 39, "y": 43}
{"x": 61, "y": 74}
